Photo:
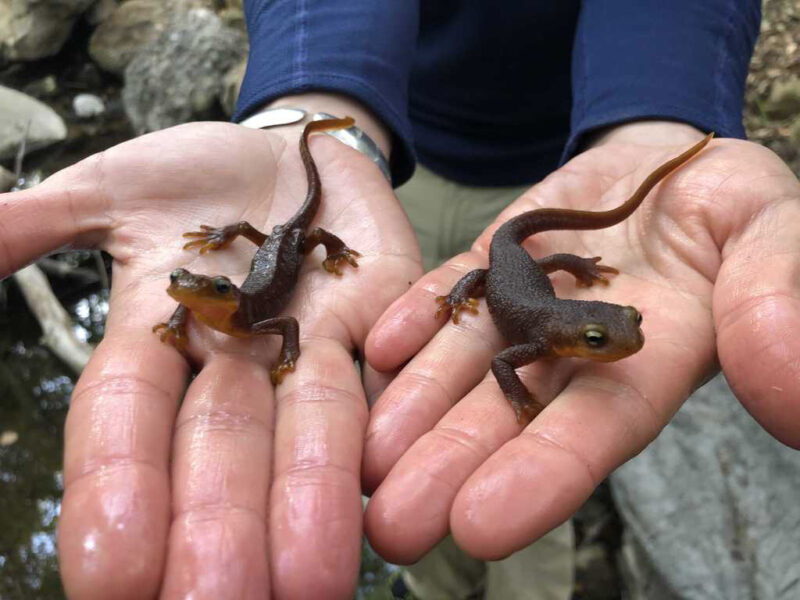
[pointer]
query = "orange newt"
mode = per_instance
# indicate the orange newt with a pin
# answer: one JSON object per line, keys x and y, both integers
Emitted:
{"x": 523, "y": 304}
{"x": 252, "y": 309}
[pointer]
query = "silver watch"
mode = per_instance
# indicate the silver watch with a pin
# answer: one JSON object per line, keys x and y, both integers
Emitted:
{"x": 355, "y": 137}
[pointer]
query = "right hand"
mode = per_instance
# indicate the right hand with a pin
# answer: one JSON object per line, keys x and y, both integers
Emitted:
{"x": 217, "y": 486}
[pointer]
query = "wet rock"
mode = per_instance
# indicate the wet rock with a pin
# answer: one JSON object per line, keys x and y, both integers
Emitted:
{"x": 18, "y": 111}
{"x": 784, "y": 100}
{"x": 710, "y": 508}
{"x": 178, "y": 77}
{"x": 87, "y": 106}
{"x": 31, "y": 29}
{"x": 132, "y": 26}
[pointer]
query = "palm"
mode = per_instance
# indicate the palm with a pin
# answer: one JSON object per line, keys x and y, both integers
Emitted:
{"x": 183, "y": 499}
{"x": 711, "y": 252}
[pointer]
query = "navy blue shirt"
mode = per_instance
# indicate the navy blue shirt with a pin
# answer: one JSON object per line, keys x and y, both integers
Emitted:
{"x": 499, "y": 93}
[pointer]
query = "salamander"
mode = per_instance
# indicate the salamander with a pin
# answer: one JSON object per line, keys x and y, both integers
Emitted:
{"x": 253, "y": 308}
{"x": 523, "y": 305}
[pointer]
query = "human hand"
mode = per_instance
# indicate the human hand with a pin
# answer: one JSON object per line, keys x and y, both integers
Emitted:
{"x": 710, "y": 260}
{"x": 238, "y": 491}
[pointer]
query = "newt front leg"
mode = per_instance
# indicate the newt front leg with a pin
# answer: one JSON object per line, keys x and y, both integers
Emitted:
{"x": 217, "y": 238}
{"x": 288, "y": 328}
{"x": 526, "y": 407}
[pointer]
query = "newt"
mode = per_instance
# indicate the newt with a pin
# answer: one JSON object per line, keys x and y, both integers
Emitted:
{"x": 253, "y": 308}
{"x": 523, "y": 305}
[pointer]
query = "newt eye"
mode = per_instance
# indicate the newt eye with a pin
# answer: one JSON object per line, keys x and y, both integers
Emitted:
{"x": 594, "y": 337}
{"x": 222, "y": 285}
{"x": 638, "y": 318}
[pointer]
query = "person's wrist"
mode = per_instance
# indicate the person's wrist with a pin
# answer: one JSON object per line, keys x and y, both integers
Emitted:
{"x": 339, "y": 106}
{"x": 649, "y": 132}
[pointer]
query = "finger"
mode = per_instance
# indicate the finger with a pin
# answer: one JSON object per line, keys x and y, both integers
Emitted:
{"x": 315, "y": 518}
{"x": 443, "y": 372}
{"x": 429, "y": 474}
{"x": 409, "y": 512}
{"x": 221, "y": 472}
{"x": 70, "y": 202}
{"x": 115, "y": 511}
{"x": 757, "y": 310}
{"x": 409, "y": 322}
{"x": 606, "y": 415}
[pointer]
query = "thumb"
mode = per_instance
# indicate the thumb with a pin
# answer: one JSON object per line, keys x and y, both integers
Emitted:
{"x": 66, "y": 210}
{"x": 757, "y": 297}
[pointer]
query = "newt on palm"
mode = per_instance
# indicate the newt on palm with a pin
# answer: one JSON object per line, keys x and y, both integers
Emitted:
{"x": 252, "y": 309}
{"x": 523, "y": 304}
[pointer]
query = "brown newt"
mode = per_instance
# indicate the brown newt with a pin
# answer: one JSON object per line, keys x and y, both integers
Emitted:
{"x": 523, "y": 304}
{"x": 252, "y": 309}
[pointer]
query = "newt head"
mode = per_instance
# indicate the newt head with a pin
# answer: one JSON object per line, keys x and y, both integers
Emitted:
{"x": 598, "y": 330}
{"x": 213, "y": 300}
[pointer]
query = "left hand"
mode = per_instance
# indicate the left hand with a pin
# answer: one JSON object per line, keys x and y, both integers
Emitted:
{"x": 711, "y": 260}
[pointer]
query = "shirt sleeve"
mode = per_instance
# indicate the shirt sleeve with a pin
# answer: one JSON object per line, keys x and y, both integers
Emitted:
{"x": 361, "y": 48}
{"x": 684, "y": 60}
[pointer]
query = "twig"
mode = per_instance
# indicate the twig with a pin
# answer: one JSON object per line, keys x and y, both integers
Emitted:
{"x": 54, "y": 320}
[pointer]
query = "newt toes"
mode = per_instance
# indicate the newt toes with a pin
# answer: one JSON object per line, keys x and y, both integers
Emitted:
{"x": 277, "y": 374}
{"x": 333, "y": 262}
{"x": 455, "y": 306}
{"x": 252, "y": 309}
{"x": 174, "y": 335}
{"x": 523, "y": 304}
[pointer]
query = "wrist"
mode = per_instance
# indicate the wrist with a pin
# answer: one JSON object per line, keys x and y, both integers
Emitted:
{"x": 648, "y": 132}
{"x": 339, "y": 105}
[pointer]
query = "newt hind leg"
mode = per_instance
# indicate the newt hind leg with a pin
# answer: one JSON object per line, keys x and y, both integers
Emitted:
{"x": 337, "y": 250}
{"x": 464, "y": 295}
{"x": 587, "y": 271}
{"x": 525, "y": 405}
{"x": 217, "y": 238}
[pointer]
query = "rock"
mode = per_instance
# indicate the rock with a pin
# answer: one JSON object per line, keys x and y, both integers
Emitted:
{"x": 710, "y": 508}
{"x": 16, "y": 111}
{"x": 192, "y": 55}
{"x": 784, "y": 100}
{"x": 132, "y": 26}
{"x": 231, "y": 84}
{"x": 101, "y": 11}
{"x": 7, "y": 181}
{"x": 87, "y": 106}
{"x": 32, "y": 29}
{"x": 42, "y": 88}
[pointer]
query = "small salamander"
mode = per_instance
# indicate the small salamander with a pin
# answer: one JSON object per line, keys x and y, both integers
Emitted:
{"x": 252, "y": 308}
{"x": 523, "y": 304}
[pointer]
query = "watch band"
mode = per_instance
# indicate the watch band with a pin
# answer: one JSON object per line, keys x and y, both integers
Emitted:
{"x": 353, "y": 136}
